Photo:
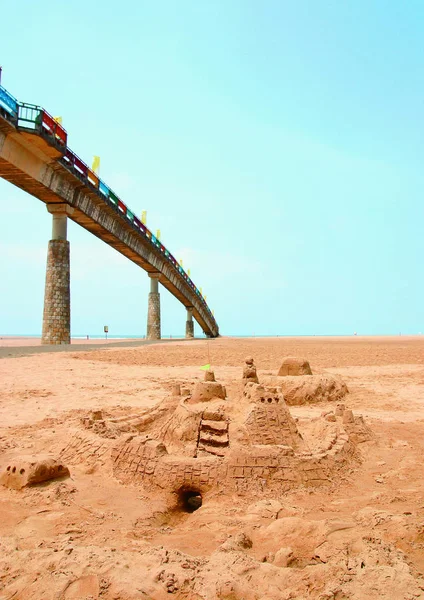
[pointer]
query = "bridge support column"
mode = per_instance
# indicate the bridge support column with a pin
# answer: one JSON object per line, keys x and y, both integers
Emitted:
{"x": 189, "y": 323}
{"x": 153, "y": 311}
{"x": 57, "y": 297}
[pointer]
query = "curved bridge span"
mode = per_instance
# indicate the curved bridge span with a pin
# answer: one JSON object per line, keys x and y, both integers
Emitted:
{"x": 35, "y": 157}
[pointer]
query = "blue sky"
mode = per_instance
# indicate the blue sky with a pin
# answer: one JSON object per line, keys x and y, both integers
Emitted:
{"x": 277, "y": 145}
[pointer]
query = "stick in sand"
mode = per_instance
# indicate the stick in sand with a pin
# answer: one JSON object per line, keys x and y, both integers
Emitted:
{"x": 208, "y": 366}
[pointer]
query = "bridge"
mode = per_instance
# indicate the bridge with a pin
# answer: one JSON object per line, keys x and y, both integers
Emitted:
{"x": 35, "y": 157}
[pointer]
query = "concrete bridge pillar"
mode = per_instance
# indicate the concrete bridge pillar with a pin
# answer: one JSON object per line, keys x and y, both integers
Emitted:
{"x": 57, "y": 297}
{"x": 153, "y": 311}
{"x": 189, "y": 323}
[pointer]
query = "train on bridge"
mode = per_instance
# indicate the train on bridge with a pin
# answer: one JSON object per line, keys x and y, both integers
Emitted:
{"x": 32, "y": 119}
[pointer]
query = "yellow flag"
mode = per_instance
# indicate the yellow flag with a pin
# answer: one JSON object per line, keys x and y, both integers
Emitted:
{"x": 96, "y": 164}
{"x": 158, "y": 234}
{"x": 188, "y": 272}
{"x": 144, "y": 217}
{"x": 58, "y": 120}
{"x": 204, "y": 298}
{"x": 205, "y": 367}
{"x": 201, "y": 293}
{"x": 213, "y": 313}
{"x": 181, "y": 262}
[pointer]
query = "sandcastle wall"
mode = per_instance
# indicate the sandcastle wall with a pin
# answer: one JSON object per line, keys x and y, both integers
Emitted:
{"x": 258, "y": 469}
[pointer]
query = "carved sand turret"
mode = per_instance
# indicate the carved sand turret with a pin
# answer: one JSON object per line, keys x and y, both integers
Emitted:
{"x": 209, "y": 375}
{"x": 269, "y": 421}
{"x": 249, "y": 372}
{"x": 205, "y": 391}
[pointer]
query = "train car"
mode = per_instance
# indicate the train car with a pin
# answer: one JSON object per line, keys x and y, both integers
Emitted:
{"x": 41, "y": 129}
{"x": 8, "y": 106}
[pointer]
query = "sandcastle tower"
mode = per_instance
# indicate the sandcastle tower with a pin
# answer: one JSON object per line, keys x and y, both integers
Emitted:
{"x": 209, "y": 389}
{"x": 269, "y": 421}
{"x": 249, "y": 371}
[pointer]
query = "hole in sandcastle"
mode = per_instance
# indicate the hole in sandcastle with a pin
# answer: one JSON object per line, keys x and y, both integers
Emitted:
{"x": 8, "y": 468}
{"x": 269, "y": 400}
{"x": 22, "y": 471}
{"x": 262, "y": 399}
{"x": 189, "y": 500}
{"x": 14, "y": 470}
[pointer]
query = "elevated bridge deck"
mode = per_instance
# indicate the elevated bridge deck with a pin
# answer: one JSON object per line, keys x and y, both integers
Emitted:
{"x": 34, "y": 156}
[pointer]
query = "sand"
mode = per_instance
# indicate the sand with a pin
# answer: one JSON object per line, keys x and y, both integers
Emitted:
{"x": 10, "y": 341}
{"x": 90, "y": 536}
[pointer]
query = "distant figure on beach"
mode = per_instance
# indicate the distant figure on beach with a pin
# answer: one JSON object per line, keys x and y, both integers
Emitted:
{"x": 88, "y": 337}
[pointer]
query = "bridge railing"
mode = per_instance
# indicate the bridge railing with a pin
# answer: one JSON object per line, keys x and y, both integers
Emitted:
{"x": 35, "y": 119}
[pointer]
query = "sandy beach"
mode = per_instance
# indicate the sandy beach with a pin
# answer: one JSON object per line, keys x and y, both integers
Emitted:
{"x": 10, "y": 341}
{"x": 97, "y": 535}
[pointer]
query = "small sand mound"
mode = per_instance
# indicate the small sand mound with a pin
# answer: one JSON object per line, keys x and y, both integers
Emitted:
{"x": 295, "y": 367}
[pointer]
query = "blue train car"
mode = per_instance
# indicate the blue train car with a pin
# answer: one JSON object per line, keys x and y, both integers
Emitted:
{"x": 8, "y": 106}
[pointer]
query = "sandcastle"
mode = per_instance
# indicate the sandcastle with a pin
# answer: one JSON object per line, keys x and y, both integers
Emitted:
{"x": 202, "y": 440}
